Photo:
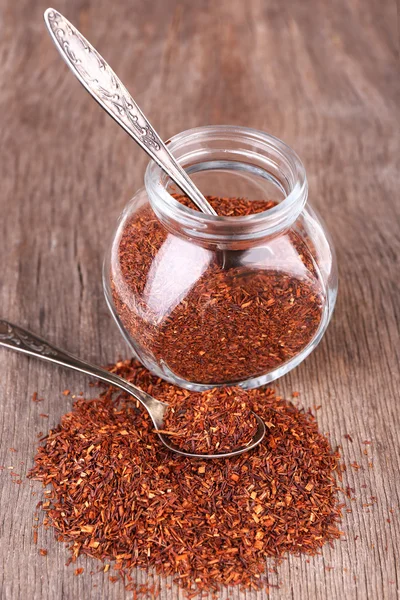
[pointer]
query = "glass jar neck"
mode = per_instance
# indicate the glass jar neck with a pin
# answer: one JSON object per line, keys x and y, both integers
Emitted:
{"x": 255, "y": 156}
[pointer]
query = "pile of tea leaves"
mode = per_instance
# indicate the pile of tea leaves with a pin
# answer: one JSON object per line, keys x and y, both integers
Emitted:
{"x": 116, "y": 493}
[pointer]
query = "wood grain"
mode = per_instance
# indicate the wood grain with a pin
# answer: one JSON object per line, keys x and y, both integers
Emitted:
{"x": 322, "y": 76}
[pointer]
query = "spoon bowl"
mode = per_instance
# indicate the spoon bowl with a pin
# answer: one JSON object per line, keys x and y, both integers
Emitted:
{"x": 258, "y": 437}
{"x": 16, "y": 338}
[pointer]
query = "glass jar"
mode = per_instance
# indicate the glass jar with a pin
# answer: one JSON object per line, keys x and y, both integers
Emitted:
{"x": 205, "y": 301}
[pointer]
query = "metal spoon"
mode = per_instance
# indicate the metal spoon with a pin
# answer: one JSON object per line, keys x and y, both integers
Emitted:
{"x": 108, "y": 90}
{"x": 22, "y": 340}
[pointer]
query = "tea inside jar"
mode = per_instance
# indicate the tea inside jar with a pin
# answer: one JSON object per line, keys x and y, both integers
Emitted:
{"x": 208, "y": 325}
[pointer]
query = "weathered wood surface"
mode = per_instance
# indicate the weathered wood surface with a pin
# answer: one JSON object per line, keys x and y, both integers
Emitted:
{"x": 323, "y": 76}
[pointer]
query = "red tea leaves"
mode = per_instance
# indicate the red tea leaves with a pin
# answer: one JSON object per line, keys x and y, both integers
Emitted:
{"x": 126, "y": 498}
{"x": 35, "y": 397}
{"x": 219, "y": 420}
{"x": 216, "y": 326}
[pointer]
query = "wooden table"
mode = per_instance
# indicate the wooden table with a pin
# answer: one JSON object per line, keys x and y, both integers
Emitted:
{"x": 320, "y": 75}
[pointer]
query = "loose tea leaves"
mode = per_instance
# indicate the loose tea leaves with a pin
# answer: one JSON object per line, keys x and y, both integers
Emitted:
{"x": 230, "y": 207}
{"x": 206, "y": 324}
{"x": 219, "y": 420}
{"x": 116, "y": 493}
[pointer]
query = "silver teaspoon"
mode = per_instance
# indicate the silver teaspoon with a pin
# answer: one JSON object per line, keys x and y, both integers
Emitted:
{"x": 108, "y": 90}
{"x": 22, "y": 340}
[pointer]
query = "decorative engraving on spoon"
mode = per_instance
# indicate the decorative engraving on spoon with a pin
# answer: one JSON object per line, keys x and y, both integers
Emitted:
{"x": 97, "y": 74}
{"x": 20, "y": 339}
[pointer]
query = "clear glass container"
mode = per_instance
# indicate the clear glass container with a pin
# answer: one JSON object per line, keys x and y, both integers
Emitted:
{"x": 229, "y": 300}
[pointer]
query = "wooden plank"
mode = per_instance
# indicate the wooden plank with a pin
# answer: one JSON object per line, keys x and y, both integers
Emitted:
{"x": 322, "y": 77}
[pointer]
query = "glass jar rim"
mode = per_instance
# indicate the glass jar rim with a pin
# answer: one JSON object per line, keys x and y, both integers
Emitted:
{"x": 230, "y": 228}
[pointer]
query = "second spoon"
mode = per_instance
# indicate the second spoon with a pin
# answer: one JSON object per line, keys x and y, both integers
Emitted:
{"x": 22, "y": 340}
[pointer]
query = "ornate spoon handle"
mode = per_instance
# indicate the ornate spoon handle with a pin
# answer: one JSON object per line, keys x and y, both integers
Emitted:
{"x": 102, "y": 83}
{"x": 16, "y": 338}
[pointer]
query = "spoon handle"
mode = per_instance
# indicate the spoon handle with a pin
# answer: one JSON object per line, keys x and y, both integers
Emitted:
{"x": 22, "y": 340}
{"x": 102, "y": 83}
